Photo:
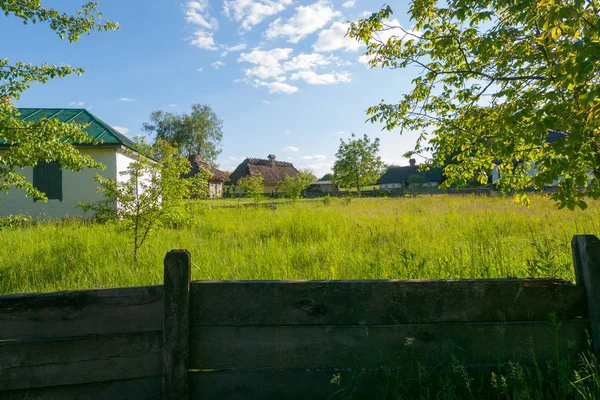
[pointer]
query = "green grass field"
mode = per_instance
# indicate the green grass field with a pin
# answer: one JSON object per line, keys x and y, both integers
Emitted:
{"x": 406, "y": 238}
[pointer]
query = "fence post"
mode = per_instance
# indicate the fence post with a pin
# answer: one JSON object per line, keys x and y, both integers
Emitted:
{"x": 176, "y": 325}
{"x": 586, "y": 257}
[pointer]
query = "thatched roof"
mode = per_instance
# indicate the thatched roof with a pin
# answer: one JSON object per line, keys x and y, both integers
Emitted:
{"x": 198, "y": 162}
{"x": 273, "y": 171}
{"x": 402, "y": 174}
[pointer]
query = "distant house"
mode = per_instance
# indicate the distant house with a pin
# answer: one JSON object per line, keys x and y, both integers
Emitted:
{"x": 272, "y": 171}
{"x": 217, "y": 179}
{"x": 553, "y": 136}
{"x": 65, "y": 188}
{"x": 400, "y": 177}
{"x": 322, "y": 187}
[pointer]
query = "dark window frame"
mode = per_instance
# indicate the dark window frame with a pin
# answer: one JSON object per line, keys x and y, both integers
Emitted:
{"x": 47, "y": 178}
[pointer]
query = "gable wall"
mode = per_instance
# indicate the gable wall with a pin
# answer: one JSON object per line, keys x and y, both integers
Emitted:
{"x": 76, "y": 186}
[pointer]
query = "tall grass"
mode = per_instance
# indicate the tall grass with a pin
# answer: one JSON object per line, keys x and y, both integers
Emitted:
{"x": 425, "y": 237}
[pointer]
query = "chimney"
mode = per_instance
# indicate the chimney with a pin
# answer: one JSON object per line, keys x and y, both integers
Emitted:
{"x": 412, "y": 162}
{"x": 271, "y": 160}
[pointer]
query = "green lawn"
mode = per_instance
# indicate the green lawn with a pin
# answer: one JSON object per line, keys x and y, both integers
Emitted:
{"x": 404, "y": 238}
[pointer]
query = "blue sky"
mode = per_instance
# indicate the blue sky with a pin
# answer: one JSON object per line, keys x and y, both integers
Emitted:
{"x": 278, "y": 72}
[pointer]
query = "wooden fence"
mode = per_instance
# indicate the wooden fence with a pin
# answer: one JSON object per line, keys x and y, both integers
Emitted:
{"x": 279, "y": 339}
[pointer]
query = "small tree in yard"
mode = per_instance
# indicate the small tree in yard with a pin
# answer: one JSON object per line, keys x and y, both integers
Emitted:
{"x": 152, "y": 195}
{"x": 293, "y": 187}
{"x": 252, "y": 186}
{"x": 357, "y": 163}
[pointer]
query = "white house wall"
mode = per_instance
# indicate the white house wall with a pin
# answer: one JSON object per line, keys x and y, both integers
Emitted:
{"x": 76, "y": 187}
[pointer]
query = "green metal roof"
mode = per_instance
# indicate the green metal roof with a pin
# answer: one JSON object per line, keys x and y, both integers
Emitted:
{"x": 98, "y": 130}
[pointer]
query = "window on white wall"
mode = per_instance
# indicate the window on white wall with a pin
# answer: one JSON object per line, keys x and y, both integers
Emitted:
{"x": 47, "y": 178}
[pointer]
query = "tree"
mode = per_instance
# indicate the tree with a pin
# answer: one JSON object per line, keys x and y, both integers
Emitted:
{"x": 293, "y": 187}
{"x": 327, "y": 177}
{"x": 252, "y": 186}
{"x": 494, "y": 77}
{"x": 43, "y": 140}
{"x": 152, "y": 195}
{"x": 357, "y": 163}
{"x": 200, "y": 131}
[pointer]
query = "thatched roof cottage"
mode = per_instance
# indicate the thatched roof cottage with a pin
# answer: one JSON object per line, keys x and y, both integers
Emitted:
{"x": 273, "y": 171}
{"x": 216, "y": 181}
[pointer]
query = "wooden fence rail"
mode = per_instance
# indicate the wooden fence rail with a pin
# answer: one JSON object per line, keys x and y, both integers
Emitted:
{"x": 281, "y": 339}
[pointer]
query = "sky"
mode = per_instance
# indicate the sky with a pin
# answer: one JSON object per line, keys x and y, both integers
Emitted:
{"x": 279, "y": 73}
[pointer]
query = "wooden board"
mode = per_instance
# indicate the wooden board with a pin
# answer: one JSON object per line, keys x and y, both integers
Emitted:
{"x": 280, "y": 347}
{"x": 260, "y": 385}
{"x": 139, "y": 389}
{"x": 82, "y": 312}
{"x": 307, "y": 384}
{"x": 53, "y": 362}
{"x": 382, "y": 302}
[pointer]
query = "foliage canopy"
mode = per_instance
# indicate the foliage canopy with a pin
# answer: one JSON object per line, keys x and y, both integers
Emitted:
{"x": 357, "y": 163}
{"x": 28, "y": 143}
{"x": 493, "y": 78}
{"x": 200, "y": 131}
{"x": 293, "y": 187}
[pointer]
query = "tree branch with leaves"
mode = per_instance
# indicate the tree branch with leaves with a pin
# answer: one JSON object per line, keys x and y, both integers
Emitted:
{"x": 24, "y": 144}
{"x": 493, "y": 78}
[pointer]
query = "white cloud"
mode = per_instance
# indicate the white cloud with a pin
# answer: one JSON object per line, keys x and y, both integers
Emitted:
{"x": 173, "y": 105}
{"x": 305, "y": 21}
{"x": 276, "y": 64}
{"x": 276, "y": 87}
{"x": 292, "y": 149}
{"x": 77, "y": 103}
{"x": 253, "y": 12}
{"x": 349, "y": 4}
{"x": 121, "y": 129}
{"x": 196, "y": 12}
{"x": 364, "y": 59}
{"x": 312, "y": 78}
{"x": 203, "y": 40}
{"x": 234, "y": 48}
{"x": 268, "y": 62}
{"x": 200, "y": 70}
{"x": 218, "y": 64}
{"x": 305, "y": 61}
{"x": 319, "y": 157}
{"x": 127, "y": 99}
{"x": 266, "y": 102}
{"x": 335, "y": 38}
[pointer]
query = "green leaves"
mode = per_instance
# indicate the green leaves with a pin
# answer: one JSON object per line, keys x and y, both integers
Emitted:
{"x": 42, "y": 140}
{"x": 357, "y": 163}
{"x": 252, "y": 186}
{"x": 200, "y": 131}
{"x": 494, "y": 79}
{"x": 150, "y": 194}
{"x": 293, "y": 187}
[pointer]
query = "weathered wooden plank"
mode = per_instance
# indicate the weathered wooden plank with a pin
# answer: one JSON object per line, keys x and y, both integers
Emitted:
{"x": 262, "y": 385}
{"x": 586, "y": 257}
{"x": 81, "y": 312}
{"x": 147, "y": 388}
{"x": 278, "y": 347}
{"x": 382, "y": 302}
{"x": 351, "y": 383}
{"x": 67, "y": 361}
{"x": 176, "y": 325}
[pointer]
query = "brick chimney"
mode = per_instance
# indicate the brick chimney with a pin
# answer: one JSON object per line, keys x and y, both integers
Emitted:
{"x": 412, "y": 162}
{"x": 271, "y": 160}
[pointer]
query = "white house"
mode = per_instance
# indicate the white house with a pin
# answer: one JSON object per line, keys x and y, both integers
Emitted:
{"x": 64, "y": 188}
